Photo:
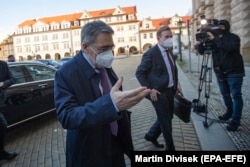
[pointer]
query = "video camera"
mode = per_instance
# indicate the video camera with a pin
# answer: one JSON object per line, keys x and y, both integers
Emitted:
{"x": 210, "y": 25}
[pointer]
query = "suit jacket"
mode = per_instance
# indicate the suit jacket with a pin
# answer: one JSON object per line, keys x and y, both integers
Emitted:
{"x": 87, "y": 115}
{"x": 152, "y": 71}
{"x": 7, "y": 78}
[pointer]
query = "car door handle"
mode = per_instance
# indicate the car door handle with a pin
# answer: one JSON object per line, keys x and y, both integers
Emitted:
{"x": 43, "y": 85}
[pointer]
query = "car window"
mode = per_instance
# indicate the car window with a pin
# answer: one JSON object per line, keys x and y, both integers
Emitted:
{"x": 39, "y": 72}
{"x": 20, "y": 75}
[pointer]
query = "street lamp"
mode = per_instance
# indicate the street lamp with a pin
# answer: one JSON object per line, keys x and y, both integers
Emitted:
{"x": 179, "y": 23}
{"x": 127, "y": 50}
{"x": 70, "y": 53}
{"x": 34, "y": 55}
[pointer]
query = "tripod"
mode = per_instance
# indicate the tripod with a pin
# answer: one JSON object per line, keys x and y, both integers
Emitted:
{"x": 205, "y": 78}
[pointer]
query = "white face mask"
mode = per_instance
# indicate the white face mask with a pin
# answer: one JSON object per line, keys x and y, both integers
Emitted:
{"x": 105, "y": 58}
{"x": 168, "y": 43}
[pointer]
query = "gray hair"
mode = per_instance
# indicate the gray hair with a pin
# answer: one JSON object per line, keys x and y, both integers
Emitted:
{"x": 91, "y": 30}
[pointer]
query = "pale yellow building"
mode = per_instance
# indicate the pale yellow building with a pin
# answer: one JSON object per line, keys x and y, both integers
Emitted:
{"x": 6, "y": 47}
{"x": 55, "y": 37}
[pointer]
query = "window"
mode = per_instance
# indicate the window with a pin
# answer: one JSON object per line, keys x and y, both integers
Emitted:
{"x": 119, "y": 28}
{"x": 131, "y": 17}
{"x": 27, "y": 49}
{"x": 76, "y": 23}
{"x": 35, "y": 29}
{"x": 26, "y": 30}
{"x": 19, "y": 49}
{"x": 65, "y": 25}
{"x": 77, "y": 44}
{"x": 76, "y": 32}
{"x": 121, "y": 39}
{"x": 45, "y": 38}
{"x": 36, "y": 38}
{"x": 54, "y": 27}
{"x": 55, "y": 46}
{"x": 18, "y": 40}
{"x": 119, "y": 18}
{"x": 40, "y": 72}
{"x": 27, "y": 39}
{"x": 151, "y": 35}
{"x": 65, "y": 35}
{"x": 37, "y": 47}
{"x": 19, "y": 74}
{"x": 45, "y": 47}
{"x": 65, "y": 45}
{"x": 131, "y": 27}
{"x": 55, "y": 36}
{"x": 108, "y": 20}
{"x": 132, "y": 39}
{"x": 145, "y": 36}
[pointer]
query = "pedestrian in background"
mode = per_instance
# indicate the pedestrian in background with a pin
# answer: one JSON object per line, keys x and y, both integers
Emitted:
{"x": 11, "y": 58}
{"x": 158, "y": 72}
{"x": 91, "y": 105}
{"x": 6, "y": 80}
{"x": 229, "y": 70}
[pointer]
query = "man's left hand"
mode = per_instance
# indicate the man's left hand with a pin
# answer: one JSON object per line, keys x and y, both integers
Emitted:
{"x": 210, "y": 35}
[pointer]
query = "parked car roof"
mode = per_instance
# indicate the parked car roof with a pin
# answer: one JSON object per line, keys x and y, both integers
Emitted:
{"x": 64, "y": 59}
{"x": 50, "y": 62}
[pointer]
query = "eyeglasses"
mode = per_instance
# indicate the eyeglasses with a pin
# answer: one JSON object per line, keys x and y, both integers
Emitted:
{"x": 168, "y": 36}
{"x": 104, "y": 48}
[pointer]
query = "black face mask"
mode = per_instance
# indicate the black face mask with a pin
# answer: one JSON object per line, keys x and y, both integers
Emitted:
{"x": 221, "y": 31}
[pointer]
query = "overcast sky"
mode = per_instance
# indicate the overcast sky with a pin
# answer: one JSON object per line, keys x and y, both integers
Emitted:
{"x": 13, "y": 12}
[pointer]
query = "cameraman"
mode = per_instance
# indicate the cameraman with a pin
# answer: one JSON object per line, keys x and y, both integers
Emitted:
{"x": 229, "y": 69}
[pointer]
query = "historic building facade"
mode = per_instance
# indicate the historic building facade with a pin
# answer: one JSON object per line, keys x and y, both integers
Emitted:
{"x": 6, "y": 47}
{"x": 55, "y": 37}
{"x": 237, "y": 12}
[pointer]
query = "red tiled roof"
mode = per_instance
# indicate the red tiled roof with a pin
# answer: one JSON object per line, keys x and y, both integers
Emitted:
{"x": 157, "y": 23}
{"x": 77, "y": 16}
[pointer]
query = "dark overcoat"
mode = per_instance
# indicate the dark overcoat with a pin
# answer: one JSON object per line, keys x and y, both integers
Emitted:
{"x": 87, "y": 115}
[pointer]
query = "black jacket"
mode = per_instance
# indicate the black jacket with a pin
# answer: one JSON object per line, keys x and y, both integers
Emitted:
{"x": 7, "y": 78}
{"x": 5, "y": 75}
{"x": 227, "y": 59}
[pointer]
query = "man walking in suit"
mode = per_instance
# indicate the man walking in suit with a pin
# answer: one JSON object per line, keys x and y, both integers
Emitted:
{"x": 158, "y": 72}
{"x": 91, "y": 105}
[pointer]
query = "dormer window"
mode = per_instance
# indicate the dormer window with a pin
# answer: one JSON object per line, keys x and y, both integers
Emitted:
{"x": 131, "y": 17}
{"x": 76, "y": 23}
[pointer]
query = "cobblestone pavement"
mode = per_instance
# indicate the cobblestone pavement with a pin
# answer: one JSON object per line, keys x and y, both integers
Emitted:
{"x": 41, "y": 142}
{"x": 240, "y": 138}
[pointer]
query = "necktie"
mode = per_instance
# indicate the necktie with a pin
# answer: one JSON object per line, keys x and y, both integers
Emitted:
{"x": 172, "y": 68}
{"x": 106, "y": 89}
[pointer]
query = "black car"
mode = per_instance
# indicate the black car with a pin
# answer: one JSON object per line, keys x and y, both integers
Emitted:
{"x": 33, "y": 93}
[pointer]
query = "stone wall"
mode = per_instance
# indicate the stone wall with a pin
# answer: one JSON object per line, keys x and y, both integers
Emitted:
{"x": 237, "y": 12}
{"x": 241, "y": 25}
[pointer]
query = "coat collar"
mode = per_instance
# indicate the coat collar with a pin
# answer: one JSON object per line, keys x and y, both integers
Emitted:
{"x": 84, "y": 65}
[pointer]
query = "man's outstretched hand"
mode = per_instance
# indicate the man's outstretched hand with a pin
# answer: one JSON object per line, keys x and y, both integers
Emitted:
{"x": 127, "y": 99}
